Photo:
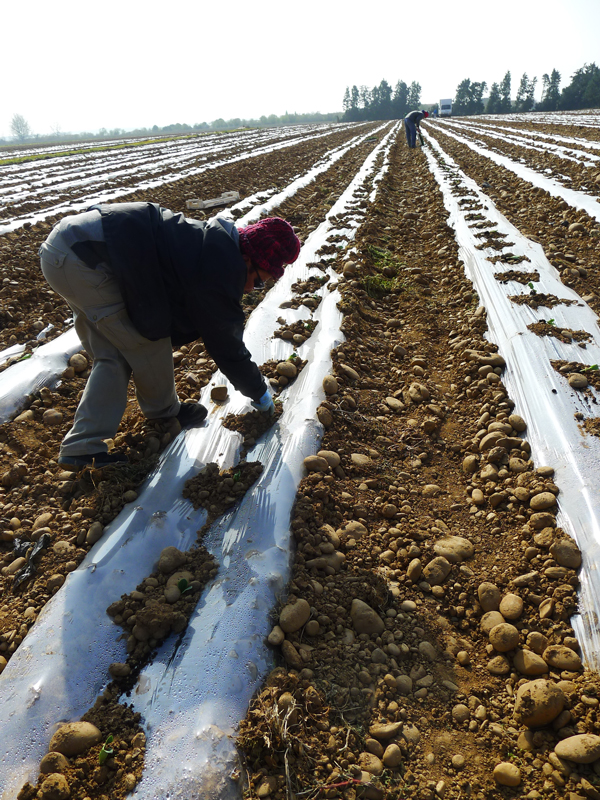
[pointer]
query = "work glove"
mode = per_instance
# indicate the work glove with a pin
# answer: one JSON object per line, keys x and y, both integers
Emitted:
{"x": 265, "y": 405}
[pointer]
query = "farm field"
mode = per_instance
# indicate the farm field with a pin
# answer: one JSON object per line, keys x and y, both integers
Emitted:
{"x": 410, "y": 614}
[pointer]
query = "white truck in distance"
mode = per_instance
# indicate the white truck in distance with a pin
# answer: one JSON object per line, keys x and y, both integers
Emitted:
{"x": 446, "y": 108}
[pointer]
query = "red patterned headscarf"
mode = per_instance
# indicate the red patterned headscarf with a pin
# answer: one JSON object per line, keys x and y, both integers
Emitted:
{"x": 270, "y": 244}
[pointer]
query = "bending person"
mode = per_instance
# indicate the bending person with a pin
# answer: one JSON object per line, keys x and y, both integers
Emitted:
{"x": 411, "y": 124}
{"x": 141, "y": 280}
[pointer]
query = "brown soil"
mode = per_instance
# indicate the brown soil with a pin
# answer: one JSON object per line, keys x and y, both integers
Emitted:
{"x": 544, "y": 328}
{"x": 218, "y": 491}
{"x": 537, "y": 299}
{"x": 520, "y": 277}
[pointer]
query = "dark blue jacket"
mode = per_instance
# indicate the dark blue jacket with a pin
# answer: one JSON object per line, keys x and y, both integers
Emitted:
{"x": 415, "y": 117}
{"x": 184, "y": 279}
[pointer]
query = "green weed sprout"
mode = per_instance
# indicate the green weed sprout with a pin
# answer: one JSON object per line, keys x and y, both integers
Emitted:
{"x": 183, "y": 586}
{"x": 532, "y": 287}
{"x": 550, "y": 321}
{"x": 106, "y": 751}
{"x": 591, "y": 368}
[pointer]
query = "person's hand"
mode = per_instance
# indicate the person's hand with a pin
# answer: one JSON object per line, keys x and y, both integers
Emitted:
{"x": 265, "y": 405}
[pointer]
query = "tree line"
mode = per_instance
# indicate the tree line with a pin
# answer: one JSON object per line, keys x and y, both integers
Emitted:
{"x": 582, "y": 92}
{"x": 380, "y": 102}
{"x": 22, "y": 132}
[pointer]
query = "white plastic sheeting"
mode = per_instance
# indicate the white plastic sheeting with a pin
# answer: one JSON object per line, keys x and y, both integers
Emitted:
{"x": 579, "y": 200}
{"x": 42, "y": 369}
{"x": 541, "y": 395}
{"x": 568, "y": 152}
{"x": 150, "y": 170}
{"x": 535, "y": 136}
{"x": 588, "y": 118}
{"x": 199, "y": 687}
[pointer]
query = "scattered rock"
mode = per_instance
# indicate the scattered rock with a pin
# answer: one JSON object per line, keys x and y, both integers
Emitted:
{"x": 75, "y": 738}
{"x": 294, "y": 616}
{"x": 365, "y": 619}
{"x": 507, "y": 774}
{"x": 582, "y": 749}
{"x": 454, "y": 549}
{"x": 538, "y": 703}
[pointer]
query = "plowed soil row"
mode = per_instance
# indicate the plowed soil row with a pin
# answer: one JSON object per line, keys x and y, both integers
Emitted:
{"x": 576, "y": 131}
{"x": 61, "y": 178}
{"x": 582, "y": 177}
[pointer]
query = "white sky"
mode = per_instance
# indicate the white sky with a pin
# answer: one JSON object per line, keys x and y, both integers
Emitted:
{"x": 80, "y": 66}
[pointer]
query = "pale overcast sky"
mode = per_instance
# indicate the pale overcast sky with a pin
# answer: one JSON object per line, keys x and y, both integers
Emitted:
{"x": 77, "y": 66}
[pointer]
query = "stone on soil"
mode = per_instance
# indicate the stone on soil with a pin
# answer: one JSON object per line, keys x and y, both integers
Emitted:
{"x": 75, "y": 738}
{"x": 489, "y": 596}
{"x": 561, "y": 657}
{"x": 330, "y": 384}
{"x": 490, "y": 620}
{"x": 55, "y": 787}
{"x": 454, "y": 549}
{"x": 316, "y": 464}
{"x": 294, "y": 615}
{"x": 542, "y": 501}
{"x": 170, "y": 559}
{"x": 538, "y": 703}
{"x": 365, "y": 619}
{"x": 507, "y": 774}
{"x": 504, "y": 637}
{"x": 53, "y": 762}
{"x": 436, "y": 571}
{"x": 566, "y": 553}
{"x": 511, "y": 606}
{"x": 528, "y": 663}
{"x": 582, "y": 749}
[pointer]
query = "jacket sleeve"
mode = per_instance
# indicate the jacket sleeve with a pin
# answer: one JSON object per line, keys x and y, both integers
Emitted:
{"x": 223, "y": 338}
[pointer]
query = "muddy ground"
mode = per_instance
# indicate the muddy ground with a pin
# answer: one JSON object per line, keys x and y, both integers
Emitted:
{"x": 391, "y": 685}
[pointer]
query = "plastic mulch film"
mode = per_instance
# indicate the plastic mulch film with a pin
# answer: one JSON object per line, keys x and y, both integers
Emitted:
{"x": 542, "y": 396}
{"x": 199, "y": 687}
{"x": 578, "y": 200}
{"x": 42, "y": 369}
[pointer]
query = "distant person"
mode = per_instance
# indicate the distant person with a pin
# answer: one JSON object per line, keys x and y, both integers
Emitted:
{"x": 141, "y": 280}
{"x": 411, "y": 124}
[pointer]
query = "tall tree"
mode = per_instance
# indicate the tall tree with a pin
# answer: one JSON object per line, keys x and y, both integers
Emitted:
{"x": 505, "y": 102}
{"x": 414, "y": 96}
{"x": 20, "y": 127}
{"x": 494, "y": 100}
{"x": 400, "y": 100}
{"x": 469, "y": 97}
{"x": 346, "y": 101}
{"x": 525, "y": 99}
{"x": 550, "y": 91}
{"x": 584, "y": 89}
{"x": 460, "y": 104}
{"x": 385, "y": 100}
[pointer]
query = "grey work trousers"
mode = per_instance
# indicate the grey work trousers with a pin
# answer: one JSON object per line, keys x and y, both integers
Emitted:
{"x": 117, "y": 348}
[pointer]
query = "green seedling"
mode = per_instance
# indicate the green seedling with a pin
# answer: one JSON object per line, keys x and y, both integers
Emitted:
{"x": 106, "y": 750}
{"x": 550, "y": 322}
{"x": 237, "y": 476}
{"x": 293, "y": 357}
{"x": 592, "y": 368}
{"x": 25, "y": 357}
{"x": 532, "y": 287}
{"x": 183, "y": 586}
